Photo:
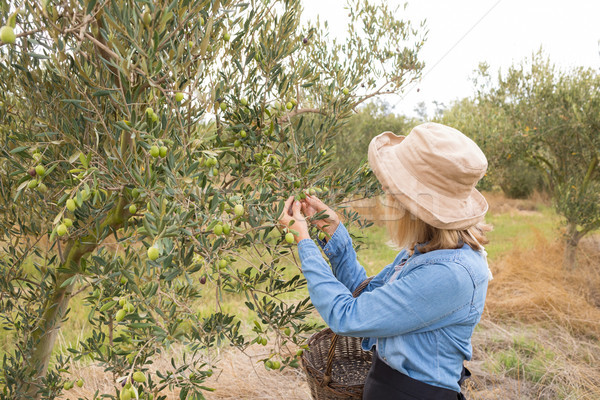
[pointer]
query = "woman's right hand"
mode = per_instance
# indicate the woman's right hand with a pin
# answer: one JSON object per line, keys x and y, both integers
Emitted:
{"x": 328, "y": 221}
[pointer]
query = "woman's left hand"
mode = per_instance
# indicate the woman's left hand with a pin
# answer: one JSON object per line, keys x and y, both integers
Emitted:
{"x": 296, "y": 221}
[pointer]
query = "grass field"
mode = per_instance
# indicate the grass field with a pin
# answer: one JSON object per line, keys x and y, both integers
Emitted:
{"x": 538, "y": 338}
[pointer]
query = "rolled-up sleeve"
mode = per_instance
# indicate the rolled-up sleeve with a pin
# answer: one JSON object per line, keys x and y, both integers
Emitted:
{"x": 414, "y": 302}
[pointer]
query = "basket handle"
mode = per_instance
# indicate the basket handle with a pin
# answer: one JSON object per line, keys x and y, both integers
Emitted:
{"x": 334, "y": 338}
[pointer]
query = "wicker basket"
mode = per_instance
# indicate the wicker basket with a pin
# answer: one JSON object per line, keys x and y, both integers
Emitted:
{"x": 336, "y": 366}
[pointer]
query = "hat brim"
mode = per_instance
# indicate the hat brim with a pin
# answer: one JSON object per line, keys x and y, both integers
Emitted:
{"x": 424, "y": 202}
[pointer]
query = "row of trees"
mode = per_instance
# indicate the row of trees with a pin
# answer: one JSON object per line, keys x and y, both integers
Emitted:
{"x": 146, "y": 149}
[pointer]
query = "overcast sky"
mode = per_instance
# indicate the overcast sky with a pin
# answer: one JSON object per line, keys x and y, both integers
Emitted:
{"x": 500, "y": 32}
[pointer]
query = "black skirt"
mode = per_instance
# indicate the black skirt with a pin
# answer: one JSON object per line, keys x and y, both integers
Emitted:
{"x": 385, "y": 383}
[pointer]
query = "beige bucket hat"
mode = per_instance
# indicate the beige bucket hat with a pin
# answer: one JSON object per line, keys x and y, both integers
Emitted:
{"x": 432, "y": 172}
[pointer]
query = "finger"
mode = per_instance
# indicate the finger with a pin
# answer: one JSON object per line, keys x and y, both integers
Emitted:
{"x": 316, "y": 203}
{"x": 305, "y": 203}
{"x": 284, "y": 222}
{"x": 290, "y": 205}
{"x": 289, "y": 201}
{"x": 308, "y": 211}
{"x": 284, "y": 219}
{"x": 286, "y": 207}
{"x": 313, "y": 199}
{"x": 296, "y": 210}
{"x": 304, "y": 207}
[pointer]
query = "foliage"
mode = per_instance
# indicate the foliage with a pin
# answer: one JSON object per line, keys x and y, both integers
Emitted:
{"x": 352, "y": 142}
{"x": 519, "y": 178}
{"x": 147, "y": 148}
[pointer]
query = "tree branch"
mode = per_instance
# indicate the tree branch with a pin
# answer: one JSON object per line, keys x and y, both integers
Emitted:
{"x": 24, "y": 34}
{"x": 296, "y": 112}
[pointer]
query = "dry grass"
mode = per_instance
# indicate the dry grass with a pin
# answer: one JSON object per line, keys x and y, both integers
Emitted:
{"x": 501, "y": 204}
{"x": 538, "y": 338}
{"x": 532, "y": 362}
{"x": 239, "y": 376}
{"x": 242, "y": 378}
{"x": 530, "y": 285}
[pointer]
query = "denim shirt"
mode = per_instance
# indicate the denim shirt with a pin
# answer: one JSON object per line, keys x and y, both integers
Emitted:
{"x": 419, "y": 311}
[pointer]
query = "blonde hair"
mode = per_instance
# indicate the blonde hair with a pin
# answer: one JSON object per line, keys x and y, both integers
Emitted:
{"x": 408, "y": 231}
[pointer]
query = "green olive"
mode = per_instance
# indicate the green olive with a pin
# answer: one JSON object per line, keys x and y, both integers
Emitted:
{"x": 154, "y": 151}
{"x": 238, "y": 210}
{"x": 7, "y": 34}
{"x": 139, "y": 376}
{"x": 61, "y": 230}
{"x": 153, "y": 253}
{"x": 289, "y": 237}
{"x": 120, "y": 315}
{"x": 71, "y": 205}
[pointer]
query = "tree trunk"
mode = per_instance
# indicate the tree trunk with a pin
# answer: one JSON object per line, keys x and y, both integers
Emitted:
{"x": 45, "y": 335}
{"x": 570, "y": 259}
{"x": 570, "y": 256}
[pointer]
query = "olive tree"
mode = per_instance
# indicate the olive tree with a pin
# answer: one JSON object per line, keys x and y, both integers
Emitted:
{"x": 482, "y": 118}
{"x": 146, "y": 151}
{"x": 538, "y": 114}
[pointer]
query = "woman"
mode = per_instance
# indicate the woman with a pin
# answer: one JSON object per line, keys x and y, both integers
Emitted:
{"x": 419, "y": 312}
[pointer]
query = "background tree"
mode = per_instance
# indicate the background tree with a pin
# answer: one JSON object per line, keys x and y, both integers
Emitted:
{"x": 146, "y": 151}
{"x": 352, "y": 142}
{"x": 480, "y": 117}
{"x": 538, "y": 114}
